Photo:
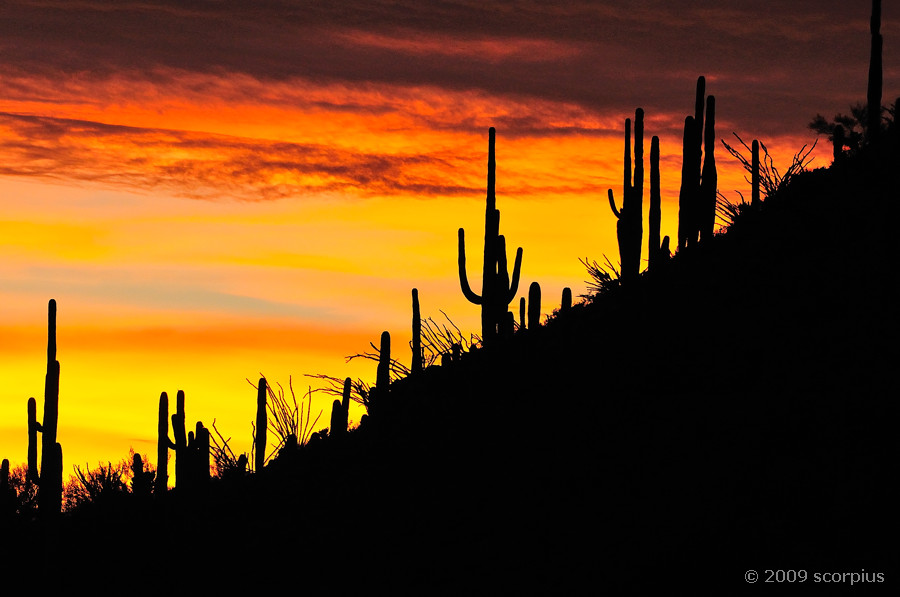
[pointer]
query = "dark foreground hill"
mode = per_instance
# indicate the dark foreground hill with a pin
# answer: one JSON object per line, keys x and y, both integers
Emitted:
{"x": 737, "y": 411}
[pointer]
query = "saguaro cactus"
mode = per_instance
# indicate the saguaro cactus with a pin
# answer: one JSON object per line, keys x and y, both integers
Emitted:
{"x": 534, "y": 306}
{"x": 629, "y": 229}
{"x": 874, "y": 90}
{"x": 340, "y": 410}
{"x": 379, "y": 394}
{"x": 33, "y": 428}
{"x": 656, "y": 253}
{"x": 754, "y": 174}
{"x": 199, "y": 450}
{"x": 709, "y": 180}
{"x": 261, "y": 419}
{"x": 417, "y": 356}
{"x": 162, "y": 446}
{"x": 50, "y": 494}
{"x": 566, "y": 302}
{"x": 696, "y": 212}
{"x": 180, "y": 443}
{"x": 497, "y": 290}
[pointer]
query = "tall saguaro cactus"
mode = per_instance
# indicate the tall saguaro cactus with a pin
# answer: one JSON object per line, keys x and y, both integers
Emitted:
{"x": 50, "y": 495}
{"x": 33, "y": 428}
{"x": 497, "y": 290}
{"x": 754, "y": 174}
{"x": 709, "y": 180}
{"x": 629, "y": 229}
{"x": 180, "y": 443}
{"x": 696, "y": 201}
{"x": 874, "y": 90}
{"x": 657, "y": 252}
{"x": 417, "y": 356}
{"x": 261, "y": 419}
{"x": 162, "y": 446}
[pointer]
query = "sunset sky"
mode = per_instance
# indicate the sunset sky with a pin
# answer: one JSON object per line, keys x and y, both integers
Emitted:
{"x": 242, "y": 187}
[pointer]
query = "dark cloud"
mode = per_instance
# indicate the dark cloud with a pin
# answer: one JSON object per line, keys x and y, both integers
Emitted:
{"x": 772, "y": 66}
{"x": 771, "y": 60}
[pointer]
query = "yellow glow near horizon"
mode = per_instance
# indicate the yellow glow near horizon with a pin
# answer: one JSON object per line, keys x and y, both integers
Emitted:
{"x": 159, "y": 293}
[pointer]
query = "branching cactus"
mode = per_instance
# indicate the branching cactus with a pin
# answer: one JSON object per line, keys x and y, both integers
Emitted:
{"x": 709, "y": 180}
{"x": 629, "y": 228}
{"x": 696, "y": 201}
{"x": 191, "y": 450}
{"x": 261, "y": 420}
{"x": 418, "y": 357}
{"x": 200, "y": 456}
{"x": 141, "y": 480}
{"x": 50, "y": 494}
{"x": 497, "y": 290}
{"x": 180, "y": 443}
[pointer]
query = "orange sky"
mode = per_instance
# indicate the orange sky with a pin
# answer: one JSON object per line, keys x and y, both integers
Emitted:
{"x": 200, "y": 221}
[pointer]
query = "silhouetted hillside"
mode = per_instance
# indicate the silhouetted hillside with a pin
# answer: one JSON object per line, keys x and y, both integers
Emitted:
{"x": 735, "y": 410}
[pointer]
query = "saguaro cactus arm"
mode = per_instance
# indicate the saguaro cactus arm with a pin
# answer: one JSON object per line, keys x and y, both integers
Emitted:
{"x": 463, "y": 279}
{"x": 612, "y": 204}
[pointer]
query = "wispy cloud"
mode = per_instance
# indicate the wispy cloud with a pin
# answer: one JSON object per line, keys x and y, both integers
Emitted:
{"x": 203, "y": 165}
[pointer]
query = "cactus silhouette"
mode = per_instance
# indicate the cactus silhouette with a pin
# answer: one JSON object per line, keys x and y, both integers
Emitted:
{"x": 141, "y": 481}
{"x": 180, "y": 443}
{"x": 709, "y": 179}
{"x": 340, "y": 410}
{"x": 874, "y": 89}
{"x": 497, "y": 290}
{"x": 566, "y": 302}
{"x": 754, "y": 174}
{"x": 261, "y": 419}
{"x": 522, "y": 308}
{"x": 198, "y": 448}
{"x": 191, "y": 450}
{"x": 50, "y": 494}
{"x": 33, "y": 428}
{"x": 534, "y": 306}
{"x": 162, "y": 446}
{"x": 7, "y": 492}
{"x": 629, "y": 229}
{"x": 696, "y": 200}
{"x": 378, "y": 395}
{"x": 417, "y": 354}
{"x": 839, "y": 140}
{"x": 657, "y": 252}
